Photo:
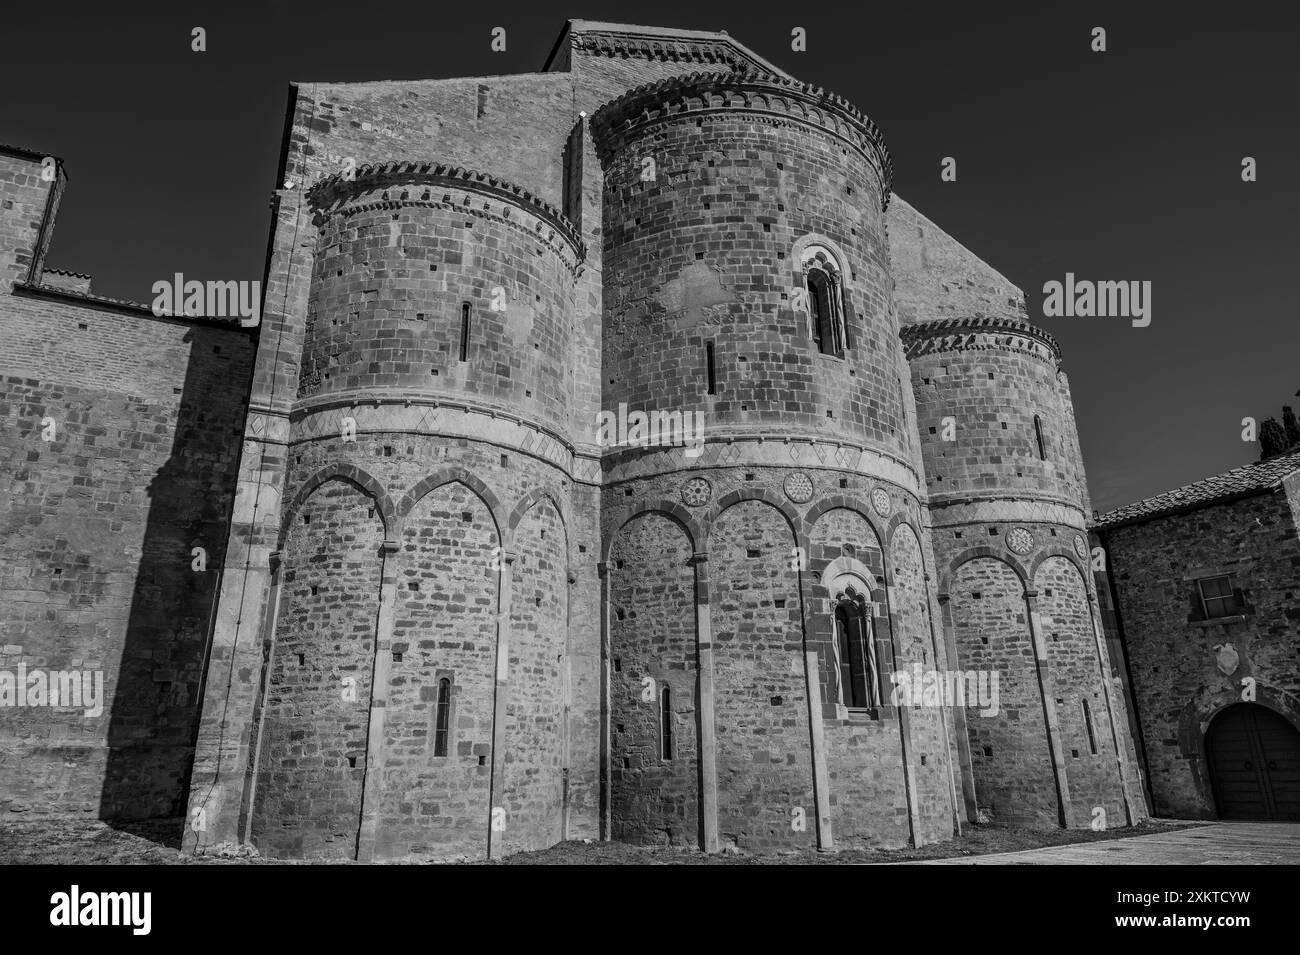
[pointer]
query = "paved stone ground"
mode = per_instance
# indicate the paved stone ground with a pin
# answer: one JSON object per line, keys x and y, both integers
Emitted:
{"x": 1248, "y": 843}
{"x": 63, "y": 841}
{"x": 1159, "y": 842}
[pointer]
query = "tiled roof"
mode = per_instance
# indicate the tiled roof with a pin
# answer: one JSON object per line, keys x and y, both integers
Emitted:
{"x": 1239, "y": 482}
{"x": 89, "y": 299}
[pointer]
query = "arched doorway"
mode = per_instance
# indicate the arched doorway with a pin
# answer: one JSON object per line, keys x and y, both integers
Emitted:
{"x": 1254, "y": 759}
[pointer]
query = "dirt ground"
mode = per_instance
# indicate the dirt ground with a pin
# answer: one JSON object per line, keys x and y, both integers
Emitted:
{"x": 43, "y": 840}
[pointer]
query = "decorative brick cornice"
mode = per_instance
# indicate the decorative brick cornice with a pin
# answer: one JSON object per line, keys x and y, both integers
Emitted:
{"x": 666, "y": 50}
{"x": 73, "y": 275}
{"x": 973, "y": 334}
{"x": 334, "y": 191}
{"x": 595, "y": 38}
{"x": 750, "y": 90}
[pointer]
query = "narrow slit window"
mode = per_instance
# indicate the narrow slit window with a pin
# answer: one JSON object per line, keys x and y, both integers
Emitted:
{"x": 464, "y": 331}
{"x": 1087, "y": 721}
{"x": 1038, "y": 437}
{"x": 666, "y": 722}
{"x": 708, "y": 358}
{"x": 443, "y": 718}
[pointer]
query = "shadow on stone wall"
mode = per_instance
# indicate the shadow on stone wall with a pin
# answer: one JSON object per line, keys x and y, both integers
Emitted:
{"x": 154, "y": 718}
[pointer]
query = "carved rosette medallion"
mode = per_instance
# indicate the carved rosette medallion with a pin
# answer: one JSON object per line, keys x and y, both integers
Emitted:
{"x": 799, "y": 487}
{"x": 880, "y": 501}
{"x": 1020, "y": 540}
{"x": 696, "y": 492}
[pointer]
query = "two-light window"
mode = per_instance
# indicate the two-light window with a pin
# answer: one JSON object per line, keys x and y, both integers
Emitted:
{"x": 858, "y": 672}
{"x": 824, "y": 282}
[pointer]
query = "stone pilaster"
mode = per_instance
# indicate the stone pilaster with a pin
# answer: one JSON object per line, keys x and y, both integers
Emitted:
{"x": 1054, "y": 742}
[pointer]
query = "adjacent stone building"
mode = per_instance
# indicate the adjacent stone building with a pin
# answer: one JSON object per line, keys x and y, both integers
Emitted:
{"x": 455, "y": 616}
{"x": 1206, "y": 586}
{"x": 119, "y": 443}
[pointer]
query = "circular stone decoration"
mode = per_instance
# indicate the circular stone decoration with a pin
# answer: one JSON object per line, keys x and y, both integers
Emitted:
{"x": 880, "y": 501}
{"x": 696, "y": 492}
{"x": 1080, "y": 547}
{"x": 799, "y": 487}
{"x": 1020, "y": 540}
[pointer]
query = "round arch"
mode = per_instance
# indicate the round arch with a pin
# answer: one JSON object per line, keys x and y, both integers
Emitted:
{"x": 451, "y": 475}
{"x": 813, "y": 239}
{"x": 842, "y": 566}
{"x": 671, "y": 509}
{"x": 526, "y": 503}
{"x": 732, "y": 498}
{"x": 834, "y": 502}
{"x": 1250, "y": 754}
{"x": 1058, "y": 550}
{"x": 973, "y": 553}
{"x": 1198, "y": 712}
{"x": 363, "y": 481}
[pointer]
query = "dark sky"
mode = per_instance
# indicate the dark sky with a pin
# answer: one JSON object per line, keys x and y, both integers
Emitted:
{"x": 1123, "y": 165}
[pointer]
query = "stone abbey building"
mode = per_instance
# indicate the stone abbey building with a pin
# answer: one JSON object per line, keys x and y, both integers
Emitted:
{"x": 367, "y": 580}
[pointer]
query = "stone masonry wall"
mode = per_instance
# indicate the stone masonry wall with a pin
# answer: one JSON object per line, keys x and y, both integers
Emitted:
{"x": 652, "y": 636}
{"x": 1087, "y": 744}
{"x": 706, "y": 253}
{"x": 393, "y": 277}
{"x": 316, "y": 715}
{"x": 764, "y": 763}
{"x": 1011, "y": 760}
{"x": 992, "y": 388}
{"x": 444, "y": 628}
{"x": 446, "y": 625}
{"x": 914, "y": 640}
{"x": 936, "y": 277}
{"x": 23, "y": 199}
{"x": 536, "y": 759}
{"x": 474, "y": 123}
{"x": 754, "y": 583}
{"x": 99, "y": 526}
{"x": 864, "y": 754}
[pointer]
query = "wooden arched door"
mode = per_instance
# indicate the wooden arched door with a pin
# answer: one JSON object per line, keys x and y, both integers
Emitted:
{"x": 1254, "y": 759}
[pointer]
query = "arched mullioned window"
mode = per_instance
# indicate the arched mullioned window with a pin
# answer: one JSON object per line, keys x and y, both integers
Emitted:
{"x": 824, "y": 281}
{"x": 859, "y": 679}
